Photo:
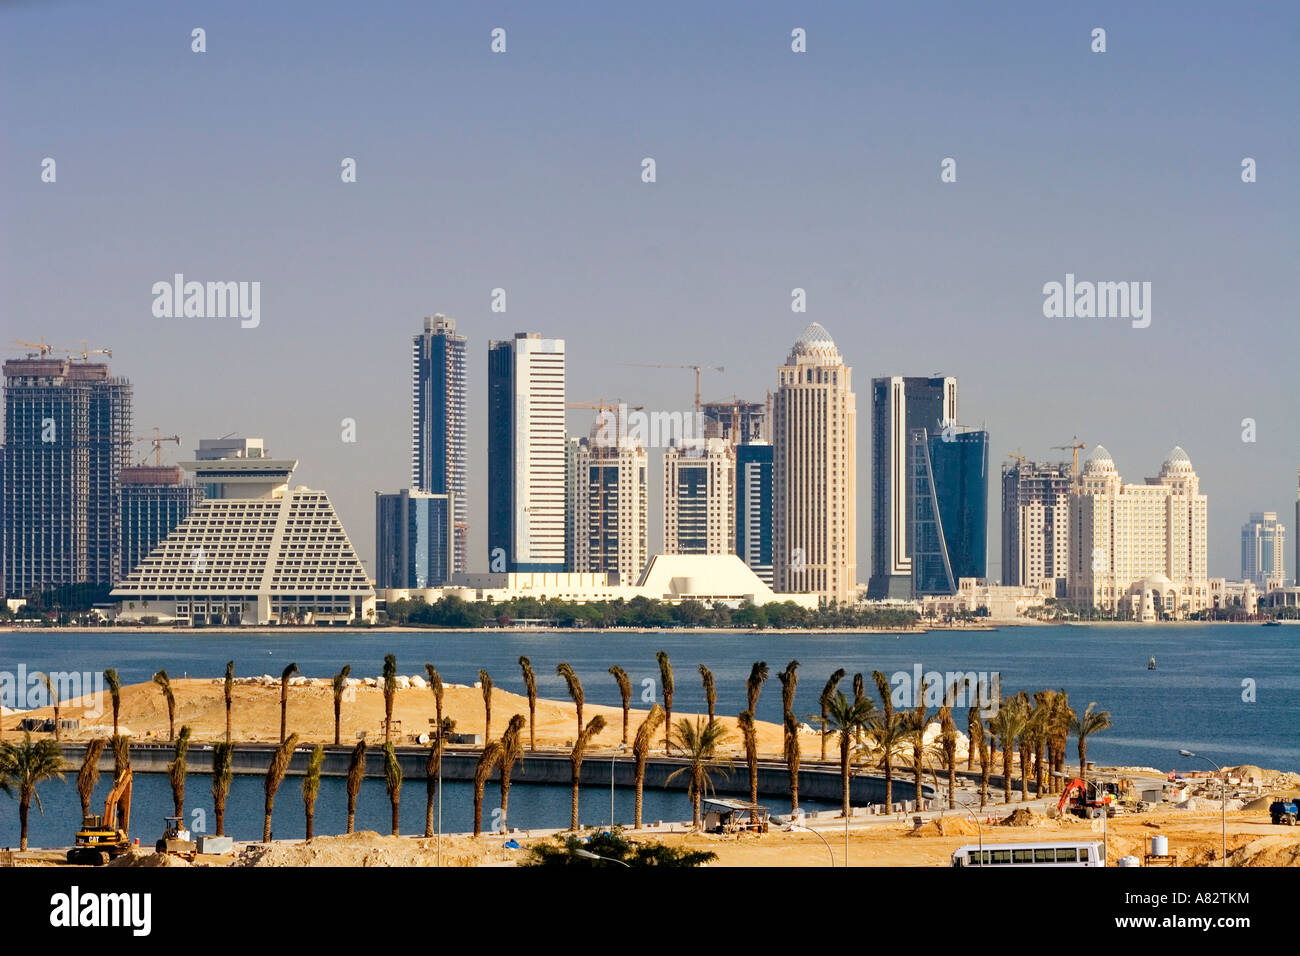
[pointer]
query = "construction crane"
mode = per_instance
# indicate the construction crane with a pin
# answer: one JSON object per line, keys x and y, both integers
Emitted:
{"x": 1074, "y": 446}
{"x": 696, "y": 368}
{"x": 1018, "y": 457}
{"x": 40, "y": 347}
{"x": 157, "y": 441}
{"x": 85, "y": 351}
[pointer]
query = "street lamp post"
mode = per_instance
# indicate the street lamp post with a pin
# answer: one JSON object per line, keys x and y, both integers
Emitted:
{"x": 588, "y": 855}
{"x": 799, "y": 826}
{"x": 979, "y": 828}
{"x": 1224, "y": 781}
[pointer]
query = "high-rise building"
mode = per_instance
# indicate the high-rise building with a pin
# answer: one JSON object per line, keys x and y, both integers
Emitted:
{"x": 253, "y": 552}
{"x": 414, "y": 539}
{"x": 737, "y": 421}
{"x": 1263, "y": 551}
{"x": 898, "y": 406}
{"x": 1139, "y": 549}
{"x": 67, "y": 436}
{"x": 610, "y": 517}
{"x": 699, "y": 498}
{"x": 155, "y": 499}
{"x": 814, "y": 471}
{"x": 526, "y": 436}
{"x": 949, "y": 539}
{"x": 754, "y": 508}
{"x": 438, "y": 427}
{"x": 571, "y": 485}
{"x": 1036, "y": 523}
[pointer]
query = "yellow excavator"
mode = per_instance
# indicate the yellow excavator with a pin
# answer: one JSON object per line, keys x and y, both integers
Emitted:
{"x": 104, "y": 838}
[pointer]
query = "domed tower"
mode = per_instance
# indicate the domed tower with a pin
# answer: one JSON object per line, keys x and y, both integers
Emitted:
{"x": 814, "y": 412}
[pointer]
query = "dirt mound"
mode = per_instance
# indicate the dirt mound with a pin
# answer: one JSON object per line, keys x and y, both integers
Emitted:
{"x": 950, "y": 826}
{"x": 138, "y": 857}
{"x": 1277, "y": 850}
{"x": 366, "y": 848}
{"x": 1263, "y": 803}
{"x": 1207, "y": 804}
{"x": 1025, "y": 817}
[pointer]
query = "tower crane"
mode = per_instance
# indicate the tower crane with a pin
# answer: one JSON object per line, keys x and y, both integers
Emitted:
{"x": 1075, "y": 446}
{"x": 696, "y": 368}
{"x": 40, "y": 347}
{"x": 85, "y": 351}
{"x": 157, "y": 441}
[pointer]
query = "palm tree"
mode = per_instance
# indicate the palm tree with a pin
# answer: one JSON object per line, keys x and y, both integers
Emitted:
{"x": 749, "y": 733}
{"x": 512, "y": 748}
{"x": 666, "y": 679}
{"x": 1084, "y": 726}
{"x": 595, "y": 726}
{"x": 114, "y": 692}
{"x": 54, "y": 700}
{"x": 176, "y": 771}
{"x": 275, "y": 772}
{"x": 223, "y": 773}
{"x": 228, "y": 689}
{"x": 284, "y": 696}
{"x": 792, "y": 757}
{"x": 165, "y": 683}
{"x": 886, "y": 736}
{"x": 828, "y": 692}
{"x": 435, "y": 685}
{"x": 625, "y": 691}
{"x": 754, "y": 685}
{"x": 485, "y": 680}
{"x": 915, "y": 723}
{"x": 710, "y": 690}
{"x": 390, "y": 692}
{"x": 848, "y": 719}
{"x": 431, "y": 765}
{"x": 26, "y": 766}
{"x": 356, "y": 774}
{"x": 393, "y": 781}
{"x": 530, "y": 685}
{"x": 311, "y": 788}
{"x": 789, "y": 681}
{"x": 1028, "y": 736}
{"x": 699, "y": 744}
{"x": 121, "y": 763}
{"x": 489, "y": 758}
{"x": 575, "y": 688}
{"x": 88, "y": 775}
{"x": 1007, "y": 725}
{"x": 1063, "y": 716}
{"x": 948, "y": 740}
{"x": 340, "y": 685}
{"x": 1042, "y": 728}
{"x": 640, "y": 751}
{"x": 974, "y": 730}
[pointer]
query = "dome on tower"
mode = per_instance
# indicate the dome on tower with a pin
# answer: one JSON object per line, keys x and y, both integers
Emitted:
{"x": 1176, "y": 463}
{"x": 1099, "y": 462}
{"x": 815, "y": 341}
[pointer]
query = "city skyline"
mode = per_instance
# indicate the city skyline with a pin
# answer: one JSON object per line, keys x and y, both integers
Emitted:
{"x": 911, "y": 275}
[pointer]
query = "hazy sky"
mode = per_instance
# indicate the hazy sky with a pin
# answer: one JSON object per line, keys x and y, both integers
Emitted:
{"x": 775, "y": 170}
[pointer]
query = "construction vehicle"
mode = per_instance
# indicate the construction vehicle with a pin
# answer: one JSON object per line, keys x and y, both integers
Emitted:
{"x": 1090, "y": 799}
{"x": 100, "y": 839}
{"x": 176, "y": 840}
{"x": 1284, "y": 812}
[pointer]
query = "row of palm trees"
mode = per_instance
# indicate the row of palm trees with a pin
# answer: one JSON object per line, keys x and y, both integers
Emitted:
{"x": 1035, "y": 728}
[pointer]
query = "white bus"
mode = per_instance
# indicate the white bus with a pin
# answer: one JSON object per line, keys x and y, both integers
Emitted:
{"x": 1031, "y": 854}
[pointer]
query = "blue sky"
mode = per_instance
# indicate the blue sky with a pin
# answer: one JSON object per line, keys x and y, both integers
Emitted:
{"x": 775, "y": 170}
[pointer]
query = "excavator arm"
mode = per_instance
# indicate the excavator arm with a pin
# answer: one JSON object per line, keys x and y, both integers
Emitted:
{"x": 119, "y": 801}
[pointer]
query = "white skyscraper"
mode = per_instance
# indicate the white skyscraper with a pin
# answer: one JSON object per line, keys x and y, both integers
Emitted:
{"x": 1263, "y": 551}
{"x": 1139, "y": 549}
{"x": 699, "y": 498}
{"x": 526, "y": 438}
{"x": 610, "y": 519}
{"x": 814, "y": 514}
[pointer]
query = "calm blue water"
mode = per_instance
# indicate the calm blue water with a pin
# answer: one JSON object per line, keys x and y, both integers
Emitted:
{"x": 1193, "y": 700}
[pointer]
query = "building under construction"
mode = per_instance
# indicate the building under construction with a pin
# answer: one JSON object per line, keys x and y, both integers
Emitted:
{"x": 155, "y": 499}
{"x": 67, "y": 435}
{"x": 1036, "y": 522}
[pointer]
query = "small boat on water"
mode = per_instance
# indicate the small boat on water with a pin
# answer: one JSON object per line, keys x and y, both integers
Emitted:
{"x": 1273, "y": 623}
{"x": 1151, "y": 664}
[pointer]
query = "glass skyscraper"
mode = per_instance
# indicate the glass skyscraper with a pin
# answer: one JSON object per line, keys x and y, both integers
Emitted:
{"x": 438, "y": 438}
{"x": 754, "y": 508}
{"x": 67, "y": 437}
{"x": 413, "y": 540}
{"x": 949, "y": 539}
{"x": 898, "y": 406}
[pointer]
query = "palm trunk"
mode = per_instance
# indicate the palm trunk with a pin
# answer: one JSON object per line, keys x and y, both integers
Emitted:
{"x": 478, "y": 808}
{"x": 917, "y": 757}
{"x": 311, "y": 829}
{"x": 625, "y": 710}
{"x": 532, "y": 725}
{"x": 352, "y": 812}
{"x": 573, "y": 815}
{"x": 1024, "y": 773}
{"x": 844, "y": 771}
{"x": 338, "y": 706}
{"x": 697, "y": 787}
{"x": 1006, "y": 773}
{"x": 889, "y": 785}
{"x": 24, "y": 805}
{"x": 266, "y": 820}
{"x": 219, "y": 807}
{"x": 397, "y": 802}
{"x": 284, "y": 711}
{"x": 1083, "y": 761}
{"x": 429, "y": 784}
{"x": 228, "y": 722}
{"x": 986, "y": 758}
{"x": 952, "y": 778}
{"x": 640, "y": 783}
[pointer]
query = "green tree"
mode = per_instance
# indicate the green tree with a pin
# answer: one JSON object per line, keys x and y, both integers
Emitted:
{"x": 340, "y": 686}
{"x": 1084, "y": 726}
{"x": 393, "y": 783}
{"x": 594, "y": 727}
{"x": 223, "y": 774}
{"x": 25, "y": 766}
{"x": 275, "y": 772}
{"x": 625, "y": 691}
{"x": 114, "y": 693}
{"x": 356, "y": 774}
{"x": 699, "y": 745}
{"x": 828, "y": 694}
{"x": 311, "y": 788}
{"x": 287, "y": 673}
{"x": 666, "y": 679}
{"x": 530, "y": 685}
{"x": 176, "y": 771}
{"x": 848, "y": 719}
{"x": 641, "y": 752}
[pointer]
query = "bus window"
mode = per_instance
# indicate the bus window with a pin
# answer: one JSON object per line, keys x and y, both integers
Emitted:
{"x": 1044, "y": 856}
{"x": 1067, "y": 854}
{"x": 1022, "y": 856}
{"x": 999, "y": 856}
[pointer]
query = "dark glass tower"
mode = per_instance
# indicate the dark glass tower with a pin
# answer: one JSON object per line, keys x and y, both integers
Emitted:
{"x": 754, "y": 508}
{"x": 898, "y": 406}
{"x": 438, "y": 439}
{"x": 949, "y": 539}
